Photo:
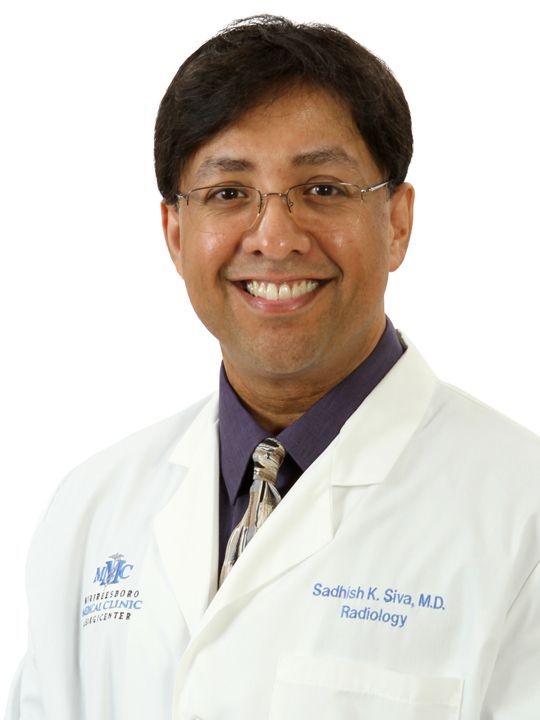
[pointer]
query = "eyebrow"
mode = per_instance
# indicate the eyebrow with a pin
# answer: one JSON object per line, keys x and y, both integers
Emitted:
{"x": 225, "y": 164}
{"x": 323, "y": 155}
{"x": 310, "y": 158}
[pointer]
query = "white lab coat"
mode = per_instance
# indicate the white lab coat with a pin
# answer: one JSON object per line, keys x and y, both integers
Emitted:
{"x": 398, "y": 580}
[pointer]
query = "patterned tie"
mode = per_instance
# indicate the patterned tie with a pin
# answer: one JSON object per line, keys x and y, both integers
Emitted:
{"x": 263, "y": 498}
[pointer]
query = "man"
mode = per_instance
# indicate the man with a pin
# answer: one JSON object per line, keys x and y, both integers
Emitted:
{"x": 336, "y": 534}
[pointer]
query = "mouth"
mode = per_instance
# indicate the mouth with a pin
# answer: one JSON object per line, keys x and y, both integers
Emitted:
{"x": 280, "y": 291}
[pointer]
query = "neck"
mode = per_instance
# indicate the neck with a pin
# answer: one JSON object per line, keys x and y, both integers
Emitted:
{"x": 276, "y": 401}
{"x": 275, "y": 413}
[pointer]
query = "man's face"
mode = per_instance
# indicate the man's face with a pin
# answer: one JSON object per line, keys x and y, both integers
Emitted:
{"x": 332, "y": 314}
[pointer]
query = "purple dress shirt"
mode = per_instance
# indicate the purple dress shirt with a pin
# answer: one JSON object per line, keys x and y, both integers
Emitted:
{"x": 304, "y": 440}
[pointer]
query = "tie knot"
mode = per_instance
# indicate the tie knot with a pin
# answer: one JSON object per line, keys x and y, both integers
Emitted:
{"x": 267, "y": 458}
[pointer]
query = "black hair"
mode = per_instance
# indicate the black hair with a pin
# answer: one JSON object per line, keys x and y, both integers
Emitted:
{"x": 257, "y": 56}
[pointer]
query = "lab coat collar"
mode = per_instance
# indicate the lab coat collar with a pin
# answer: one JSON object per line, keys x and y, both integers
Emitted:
{"x": 373, "y": 438}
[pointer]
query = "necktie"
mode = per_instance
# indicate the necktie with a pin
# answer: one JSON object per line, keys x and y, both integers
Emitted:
{"x": 263, "y": 498}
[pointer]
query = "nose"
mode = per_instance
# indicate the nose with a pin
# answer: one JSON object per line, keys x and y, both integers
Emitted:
{"x": 274, "y": 233}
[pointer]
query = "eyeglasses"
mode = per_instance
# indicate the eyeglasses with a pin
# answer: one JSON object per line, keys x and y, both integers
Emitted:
{"x": 237, "y": 207}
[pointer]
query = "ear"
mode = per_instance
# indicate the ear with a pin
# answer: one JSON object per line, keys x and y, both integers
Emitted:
{"x": 171, "y": 230}
{"x": 401, "y": 220}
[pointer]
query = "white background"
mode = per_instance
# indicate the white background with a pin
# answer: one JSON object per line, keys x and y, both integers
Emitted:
{"x": 98, "y": 339}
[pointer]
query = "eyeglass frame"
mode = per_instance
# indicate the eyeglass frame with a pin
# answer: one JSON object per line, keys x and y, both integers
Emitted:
{"x": 285, "y": 194}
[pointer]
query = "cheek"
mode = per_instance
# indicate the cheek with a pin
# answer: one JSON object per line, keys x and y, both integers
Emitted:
{"x": 202, "y": 255}
{"x": 360, "y": 252}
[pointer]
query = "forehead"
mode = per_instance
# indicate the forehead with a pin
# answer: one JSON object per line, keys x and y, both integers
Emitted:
{"x": 299, "y": 128}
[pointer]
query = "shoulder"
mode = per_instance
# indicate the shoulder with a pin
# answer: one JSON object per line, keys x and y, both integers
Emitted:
{"x": 474, "y": 421}
{"x": 126, "y": 466}
{"x": 489, "y": 456}
{"x": 149, "y": 443}
{"x": 457, "y": 420}
{"x": 459, "y": 436}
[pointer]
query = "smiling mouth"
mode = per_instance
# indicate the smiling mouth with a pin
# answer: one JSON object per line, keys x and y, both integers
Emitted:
{"x": 281, "y": 291}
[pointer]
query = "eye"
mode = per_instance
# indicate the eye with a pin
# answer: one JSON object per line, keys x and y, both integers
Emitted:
{"x": 326, "y": 191}
{"x": 226, "y": 194}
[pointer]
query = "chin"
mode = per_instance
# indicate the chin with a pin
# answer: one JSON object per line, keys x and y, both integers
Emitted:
{"x": 284, "y": 363}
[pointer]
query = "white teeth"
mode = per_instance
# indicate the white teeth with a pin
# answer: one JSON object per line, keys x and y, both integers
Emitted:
{"x": 300, "y": 288}
{"x": 285, "y": 291}
{"x": 271, "y": 291}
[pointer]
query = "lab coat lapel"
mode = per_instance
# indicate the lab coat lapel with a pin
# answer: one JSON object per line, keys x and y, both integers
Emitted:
{"x": 186, "y": 529}
{"x": 296, "y": 529}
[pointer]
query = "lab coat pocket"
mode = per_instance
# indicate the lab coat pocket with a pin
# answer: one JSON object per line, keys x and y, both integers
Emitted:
{"x": 328, "y": 688}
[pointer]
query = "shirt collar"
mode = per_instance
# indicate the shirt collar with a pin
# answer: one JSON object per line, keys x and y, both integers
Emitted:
{"x": 313, "y": 431}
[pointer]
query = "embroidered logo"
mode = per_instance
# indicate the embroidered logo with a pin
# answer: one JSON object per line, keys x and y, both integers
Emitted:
{"x": 113, "y": 571}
